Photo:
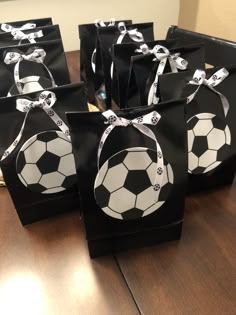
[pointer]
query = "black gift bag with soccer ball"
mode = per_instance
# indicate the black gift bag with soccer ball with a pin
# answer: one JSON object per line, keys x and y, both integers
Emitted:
{"x": 116, "y": 35}
{"x": 36, "y": 152}
{"x": 211, "y": 127}
{"x": 32, "y": 67}
{"x": 7, "y": 27}
{"x": 32, "y": 36}
{"x": 146, "y": 69}
{"x": 122, "y": 54}
{"x": 89, "y": 52}
{"x": 132, "y": 171}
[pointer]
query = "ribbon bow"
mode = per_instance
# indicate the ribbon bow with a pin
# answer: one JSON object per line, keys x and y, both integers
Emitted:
{"x": 38, "y": 56}
{"x": 134, "y": 34}
{"x": 45, "y": 101}
{"x": 19, "y": 35}
{"x": 199, "y": 79}
{"x": 139, "y": 123}
{"x": 163, "y": 55}
{"x": 100, "y": 23}
{"x": 8, "y": 28}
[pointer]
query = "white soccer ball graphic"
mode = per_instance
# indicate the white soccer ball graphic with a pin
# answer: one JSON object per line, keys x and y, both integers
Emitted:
{"x": 124, "y": 184}
{"x": 31, "y": 84}
{"x": 45, "y": 163}
{"x": 209, "y": 139}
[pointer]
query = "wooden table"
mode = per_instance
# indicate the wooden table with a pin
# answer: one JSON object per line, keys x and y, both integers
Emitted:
{"x": 45, "y": 268}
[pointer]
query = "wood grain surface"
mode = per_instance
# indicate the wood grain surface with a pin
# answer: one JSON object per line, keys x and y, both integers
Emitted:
{"x": 45, "y": 268}
{"x": 196, "y": 275}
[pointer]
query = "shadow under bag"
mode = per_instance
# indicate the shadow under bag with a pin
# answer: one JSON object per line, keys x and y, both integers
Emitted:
{"x": 132, "y": 172}
{"x": 36, "y": 153}
{"x": 210, "y": 115}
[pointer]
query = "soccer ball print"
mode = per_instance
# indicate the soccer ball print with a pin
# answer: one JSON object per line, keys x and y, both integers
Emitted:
{"x": 31, "y": 84}
{"x": 124, "y": 184}
{"x": 45, "y": 163}
{"x": 209, "y": 139}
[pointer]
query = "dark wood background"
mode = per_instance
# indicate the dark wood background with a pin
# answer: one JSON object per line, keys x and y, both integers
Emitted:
{"x": 45, "y": 268}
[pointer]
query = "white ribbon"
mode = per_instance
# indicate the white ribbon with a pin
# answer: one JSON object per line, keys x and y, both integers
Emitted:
{"x": 199, "y": 79}
{"x": 8, "y": 28}
{"x": 139, "y": 123}
{"x": 163, "y": 55}
{"x": 100, "y": 23}
{"x": 133, "y": 34}
{"x": 19, "y": 35}
{"x": 38, "y": 56}
{"x": 45, "y": 101}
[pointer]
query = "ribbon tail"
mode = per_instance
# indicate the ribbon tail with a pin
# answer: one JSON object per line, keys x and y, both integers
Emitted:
{"x": 191, "y": 96}
{"x": 173, "y": 66}
{"x": 50, "y": 76}
{"x": 55, "y": 118}
{"x": 102, "y": 141}
{"x": 224, "y": 101}
{"x": 17, "y": 77}
{"x": 159, "y": 176}
{"x": 152, "y": 98}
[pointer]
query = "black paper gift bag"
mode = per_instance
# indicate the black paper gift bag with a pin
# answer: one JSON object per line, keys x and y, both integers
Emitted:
{"x": 122, "y": 54}
{"x": 211, "y": 127}
{"x": 31, "y": 67}
{"x": 24, "y": 25}
{"x": 36, "y": 153}
{"x": 116, "y": 35}
{"x": 89, "y": 51}
{"x": 147, "y": 68}
{"x": 32, "y": 36}
{"x": 132, "y": 171}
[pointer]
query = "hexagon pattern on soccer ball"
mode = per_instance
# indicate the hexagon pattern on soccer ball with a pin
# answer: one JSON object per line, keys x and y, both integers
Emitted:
{"x": 209, "y": 139}
{"x": 45, "y": 163}
{"x": 124, "y": 184}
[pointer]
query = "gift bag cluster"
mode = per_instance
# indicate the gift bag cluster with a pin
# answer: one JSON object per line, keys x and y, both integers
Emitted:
{"x": 164, "y": 128}
{"x": 37, "y": 162}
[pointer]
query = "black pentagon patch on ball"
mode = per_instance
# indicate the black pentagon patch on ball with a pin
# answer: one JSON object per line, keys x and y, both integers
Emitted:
{"x": 132, "y": 214}
{"x": 69, "y": 181}
{"x": 218, "y": 123}
{"x": 222, "y": 152}
{"x": 152, "y": 154}
{"x": 103, "y": 196}
{"x": 117, "y": 159}
{"x": 48, "y": 163}
{"x": 47, "y": 136}
{"x": 192, "y": 122}
{"x": 165, "y": 191}
{"x": 137, "y": 181}
{"x": 200, "y": 145}
{"x": 21, "y": 162}
{"x": 199, "y": 170}
{"x": 37, "y": 188}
